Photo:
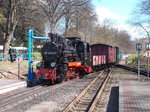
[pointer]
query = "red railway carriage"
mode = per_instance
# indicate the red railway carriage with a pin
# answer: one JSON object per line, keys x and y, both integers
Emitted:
{"x": 102, "y": 55}
{"x": 111, "y": 54}
{"x": 98, "y": 53}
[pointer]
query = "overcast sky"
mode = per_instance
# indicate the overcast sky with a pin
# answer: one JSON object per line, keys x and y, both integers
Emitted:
{"x": 119, "y": 11}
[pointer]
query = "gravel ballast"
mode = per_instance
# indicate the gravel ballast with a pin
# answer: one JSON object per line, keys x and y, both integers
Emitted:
{"x": 56, "y": 98}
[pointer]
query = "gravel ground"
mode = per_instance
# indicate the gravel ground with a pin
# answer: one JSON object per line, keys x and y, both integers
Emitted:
{"x": 56, "y": 98}
{"x": 60, "y": 95}
{"x": 109, "y": 101}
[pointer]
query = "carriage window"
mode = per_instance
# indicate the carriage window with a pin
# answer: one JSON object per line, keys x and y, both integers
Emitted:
{"x": 79, "y": 48}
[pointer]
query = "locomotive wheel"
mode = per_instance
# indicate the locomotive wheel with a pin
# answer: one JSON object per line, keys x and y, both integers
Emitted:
{"x": 76, "y": 76}
{"x": 71, "y": 77}
{"x": 68, "y": 78}
{"x": 61, "y": 78}
{"x": 41, "y": 81}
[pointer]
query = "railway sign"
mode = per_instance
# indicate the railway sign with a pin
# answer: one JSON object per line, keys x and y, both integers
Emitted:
{"x": 139, "y": 46}
{"x": 147, "y": 54}
{"x": 147, "y": 46}
{"x": 18, "y": 59}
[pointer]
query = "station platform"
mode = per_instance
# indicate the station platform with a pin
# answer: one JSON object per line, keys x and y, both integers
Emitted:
{"x": 7, "y": 85}
{"x": 134, "y": 96}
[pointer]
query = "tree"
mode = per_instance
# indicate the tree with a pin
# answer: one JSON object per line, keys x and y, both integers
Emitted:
{"x": 2, "y": 22}
{"x": 141, "y": 16}
{"x": 145, "y": 10}
{"x": 19, "y": 15}
{"x": 57, "y": 11}
{"x": 11, "y": 11}
{"x": 52, "y": 10}
{"x": 32, "y": 18}
{"x": 81, "y": 24}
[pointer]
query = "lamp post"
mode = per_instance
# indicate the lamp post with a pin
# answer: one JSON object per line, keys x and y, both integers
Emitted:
{"x": 149, "y": 42}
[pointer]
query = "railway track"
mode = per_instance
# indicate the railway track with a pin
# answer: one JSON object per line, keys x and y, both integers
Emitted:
{"x": 95, "y": 97}
{"x": 88, "y": 98}
{"x": 133, "y": 69}
{"x": 21, "y": 96}
{"x": 15, "y": 98}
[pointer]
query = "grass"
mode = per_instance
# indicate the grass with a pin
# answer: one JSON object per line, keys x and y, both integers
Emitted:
{"x": 8, "y": 63}
{"x": 11, "y": 69}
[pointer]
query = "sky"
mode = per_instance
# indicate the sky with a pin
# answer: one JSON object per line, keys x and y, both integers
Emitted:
{"x": 119, "y": 11}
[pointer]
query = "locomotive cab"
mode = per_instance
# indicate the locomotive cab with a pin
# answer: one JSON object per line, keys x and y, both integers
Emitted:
{"x": 84, "y": 53}
{"x": 83, "y": 49}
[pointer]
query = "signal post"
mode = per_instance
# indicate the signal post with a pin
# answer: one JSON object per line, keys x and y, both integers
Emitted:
{"x": 139, "y": 48}
{"x": 147, "y": 54}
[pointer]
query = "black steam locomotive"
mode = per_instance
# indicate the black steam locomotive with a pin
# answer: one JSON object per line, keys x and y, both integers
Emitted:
{"x": 63, "y": 58}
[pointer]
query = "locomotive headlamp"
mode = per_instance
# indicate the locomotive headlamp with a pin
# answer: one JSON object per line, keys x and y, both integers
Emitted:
{"x": 53, "y": 64}
{"x": 38, "y": 65}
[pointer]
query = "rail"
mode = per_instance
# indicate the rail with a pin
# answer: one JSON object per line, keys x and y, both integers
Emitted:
{"x": 91, "y": 93}
{"x": 142, "y": 72}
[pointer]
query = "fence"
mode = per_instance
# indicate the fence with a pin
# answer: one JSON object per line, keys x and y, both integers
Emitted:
{"x": 36, "y": 56}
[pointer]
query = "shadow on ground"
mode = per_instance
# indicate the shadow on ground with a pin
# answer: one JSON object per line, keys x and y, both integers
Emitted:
{"x": 113, "y": 104}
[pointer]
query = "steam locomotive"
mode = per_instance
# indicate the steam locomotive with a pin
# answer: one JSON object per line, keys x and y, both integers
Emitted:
{"x": 64, "y": 58}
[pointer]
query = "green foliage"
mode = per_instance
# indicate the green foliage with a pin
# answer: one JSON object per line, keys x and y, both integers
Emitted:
{"x": 132, "y": 59}
{"x": 2, "y": 19}
{"x": 37, "y": 56}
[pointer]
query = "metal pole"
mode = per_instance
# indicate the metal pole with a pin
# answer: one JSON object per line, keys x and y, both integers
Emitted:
{"x": 149, "y": 42}
{"x": 148, "y": 70}
{"x": 148, "y": 58}
{"x": 30, "y": 36}
{"x": 18, "y": 70}
{"x": 138, "y": 64}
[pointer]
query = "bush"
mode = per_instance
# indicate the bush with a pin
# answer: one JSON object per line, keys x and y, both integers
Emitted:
{"x": 37, "y": 56}
{"x": 132, "y": 59}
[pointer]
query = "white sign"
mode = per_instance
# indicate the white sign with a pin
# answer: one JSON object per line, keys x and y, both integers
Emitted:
{"x": 147, "y": 54}
{"x": 139, "y": 46}
{"x": 18, "y": 59}
{"x": 147, "y": 46}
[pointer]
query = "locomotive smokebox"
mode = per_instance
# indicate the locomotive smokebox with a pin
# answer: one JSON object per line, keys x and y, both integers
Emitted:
{"x": 50, "y": 54}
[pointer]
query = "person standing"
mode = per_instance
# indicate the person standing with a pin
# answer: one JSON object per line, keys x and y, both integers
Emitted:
{"x": 11, "y": 54}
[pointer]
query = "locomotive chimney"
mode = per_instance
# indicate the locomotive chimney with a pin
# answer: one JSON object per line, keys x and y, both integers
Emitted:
{"x": 52, "y": 37}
